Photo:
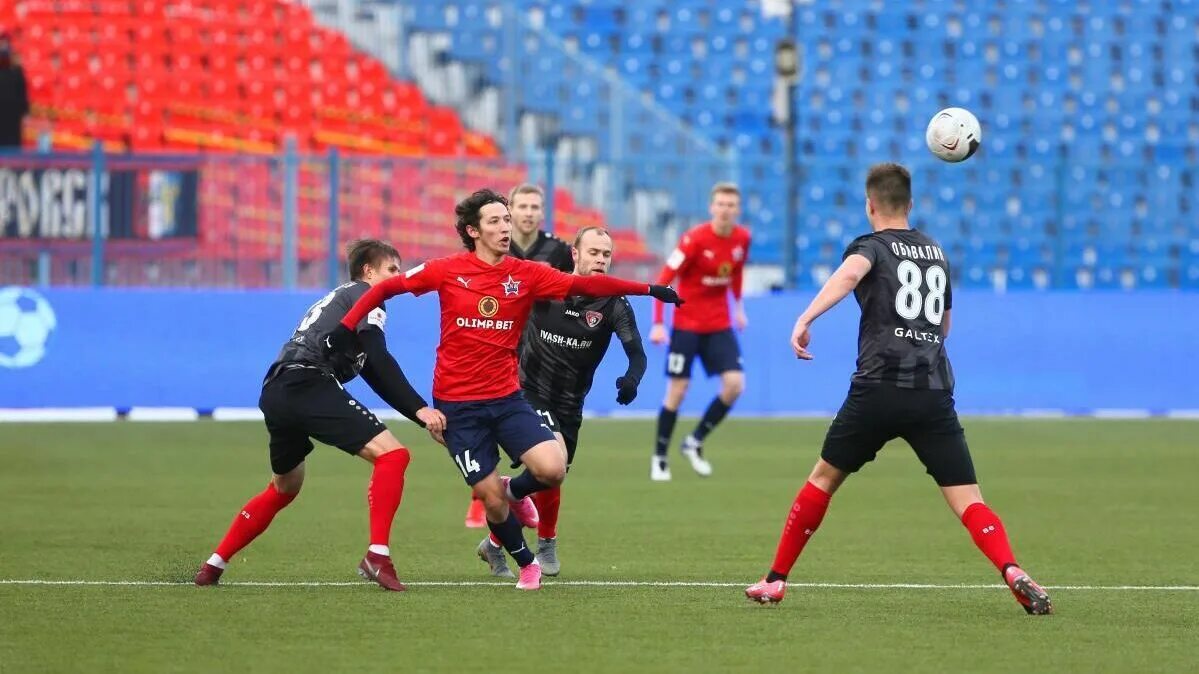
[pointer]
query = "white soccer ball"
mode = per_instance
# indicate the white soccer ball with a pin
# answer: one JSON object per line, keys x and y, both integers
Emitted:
{"x": 953, "y": 134}
{"x": 26, "y": 322}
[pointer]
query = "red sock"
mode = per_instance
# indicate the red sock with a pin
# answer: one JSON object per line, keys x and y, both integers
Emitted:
{"x": 547, "y": 502}
{"x": 253, "y": 519}
{"x": 384, "y": 492}
{"x": 806, "y": 514}
{"x": 987, "y": 531}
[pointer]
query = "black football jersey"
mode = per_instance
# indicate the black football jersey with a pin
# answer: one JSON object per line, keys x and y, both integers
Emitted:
{"x": 548, "y": 249}
{"x": 903, "y": 298}
{"x": 304, "y": 347}
{"x": 564, "y": 342}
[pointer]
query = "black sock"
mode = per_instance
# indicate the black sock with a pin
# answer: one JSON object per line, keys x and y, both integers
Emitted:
{"x": 712, "y": 416}
{"x": 772, "y": 576}
{"x": 513, "y": 539}
{"x": 524, "y": 484}
{"x": 666, "y": 419}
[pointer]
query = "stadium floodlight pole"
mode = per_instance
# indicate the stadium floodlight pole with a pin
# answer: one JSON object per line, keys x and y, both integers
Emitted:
{"x": 334, "y": 217}
{"x": 96, "y": 212}
{"x": 289, "y": 259}
{"x": 511, "y": 88}
{"x": 787, "y": 67}
{"x": 551, "y": 149}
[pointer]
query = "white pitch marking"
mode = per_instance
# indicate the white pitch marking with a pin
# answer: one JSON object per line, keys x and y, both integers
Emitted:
{"x": 604, "y": 583}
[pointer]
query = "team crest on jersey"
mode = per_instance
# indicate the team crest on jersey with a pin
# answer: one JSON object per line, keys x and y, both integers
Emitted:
{"x": 488, "y": 306}
{"x": 593, "y": 318}
{"x": 738, "y": 253}
{"x": 511, "y": 286}
{"x": 725, "y": 270}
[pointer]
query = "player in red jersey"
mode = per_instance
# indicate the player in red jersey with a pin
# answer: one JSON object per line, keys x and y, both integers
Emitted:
{"x": 529, "y": 242}
{"x": 708, "y": 263}
{"x": 486, "y": 297}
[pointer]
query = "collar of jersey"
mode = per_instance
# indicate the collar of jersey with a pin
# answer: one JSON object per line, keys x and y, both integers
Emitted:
{"x": 505, "y": 261}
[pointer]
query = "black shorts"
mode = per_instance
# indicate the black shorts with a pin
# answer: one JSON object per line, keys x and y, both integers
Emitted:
{"x": 718, "y": 351}
{"x": 564, "y": 421}
{"x": 476, "y": 429}
{"x": 304, "y": 403}
{"x": 872, "y": 416}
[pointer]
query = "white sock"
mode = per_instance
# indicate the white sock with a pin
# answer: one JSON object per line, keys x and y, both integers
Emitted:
{"x": 379, "y": 550}
{"x": 216, "y": 561}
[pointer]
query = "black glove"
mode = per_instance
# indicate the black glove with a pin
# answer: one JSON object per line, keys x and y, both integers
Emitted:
{"x": 665, "y": 294}
{"x": 626, "y": 390}
{"x": 341, "y": 341}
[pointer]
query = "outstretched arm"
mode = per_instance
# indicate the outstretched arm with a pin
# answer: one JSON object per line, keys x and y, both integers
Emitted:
{"x": 602, "y": 285}
{"x": 551, "y": 284}
{"x": 841, "y": 283}
{"x": 383, "y": 374}
{"x": 373, "y": 298}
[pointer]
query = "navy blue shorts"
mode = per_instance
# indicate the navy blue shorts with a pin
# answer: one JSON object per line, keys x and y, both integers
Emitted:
{"x": 476, "y": 429}
{"x": 718, "y": 351}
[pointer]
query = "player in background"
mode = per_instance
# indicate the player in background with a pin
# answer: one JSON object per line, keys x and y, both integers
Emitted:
{"x": 486, "y": 297}
{"x": 708, "y": 263}
{"x": 526, "y": 203}
{"x": 903, "y": 386}
{"x": 559, "y": 352}
{"x": 302, "y": 397}
{"x": 529, "y": 242}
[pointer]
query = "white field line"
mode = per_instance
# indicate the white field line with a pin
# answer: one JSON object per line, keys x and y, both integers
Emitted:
{"x": 601, "y": 583}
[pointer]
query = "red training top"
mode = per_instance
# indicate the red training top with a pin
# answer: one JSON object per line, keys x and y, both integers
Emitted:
{"x": 707, "y": 266}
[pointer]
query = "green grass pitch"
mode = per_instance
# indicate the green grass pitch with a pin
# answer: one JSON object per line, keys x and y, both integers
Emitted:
{"x": 1087, "y": 503}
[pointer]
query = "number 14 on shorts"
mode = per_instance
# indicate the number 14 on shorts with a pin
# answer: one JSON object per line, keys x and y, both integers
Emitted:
{"x": 466, "y": 464}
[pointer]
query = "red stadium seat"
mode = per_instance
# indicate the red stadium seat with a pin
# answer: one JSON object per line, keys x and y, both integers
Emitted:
{"x": 234, "y": 76}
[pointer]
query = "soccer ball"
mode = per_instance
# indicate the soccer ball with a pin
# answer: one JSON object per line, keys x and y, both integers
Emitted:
{"x": 953, "y": 134}
{"x": 26, "y": 321}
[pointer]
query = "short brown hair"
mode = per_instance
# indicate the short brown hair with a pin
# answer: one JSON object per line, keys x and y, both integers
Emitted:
{"x": 367, "y": 252}
{"x": 725, "y": 188}
{"x": 590, "y": 228}
{"x": 468, "y": 209}
{"x": 525, "y": 188}
{"x": 889, "y": 186}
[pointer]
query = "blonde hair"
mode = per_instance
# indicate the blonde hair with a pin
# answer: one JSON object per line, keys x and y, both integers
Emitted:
{"x": 725, "y": 188}
{"x": 526, "y": 188}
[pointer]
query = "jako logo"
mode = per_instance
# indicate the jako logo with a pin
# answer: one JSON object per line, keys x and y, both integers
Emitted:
{"x": 26, "y": 323}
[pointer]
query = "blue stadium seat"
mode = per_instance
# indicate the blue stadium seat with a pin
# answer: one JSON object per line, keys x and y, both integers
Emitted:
{"x": 1054, "y": 126}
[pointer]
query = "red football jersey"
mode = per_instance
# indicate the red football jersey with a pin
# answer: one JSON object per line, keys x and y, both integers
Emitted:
{"x": 483, "y": 313}
{"x": 707, "y": 266}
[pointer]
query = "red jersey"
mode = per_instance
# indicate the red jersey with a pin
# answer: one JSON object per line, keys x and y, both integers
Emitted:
{"x": 707, "y": 266}
{"x": 484, "y": 309}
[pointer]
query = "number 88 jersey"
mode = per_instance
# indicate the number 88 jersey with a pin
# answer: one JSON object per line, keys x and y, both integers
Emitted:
{"x": 903, "y": 299}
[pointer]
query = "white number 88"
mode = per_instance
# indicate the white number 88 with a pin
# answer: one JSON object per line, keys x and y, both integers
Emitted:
{"x": 909, "y": 302}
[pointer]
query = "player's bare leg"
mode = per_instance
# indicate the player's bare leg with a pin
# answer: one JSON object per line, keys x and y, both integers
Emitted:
{"x": 732, "y": 384}
{"x": 548, "y": 501}
{"x": 676, "y": 391}
{"x": 505, "y": 526}
{"x": 989, "y": 535}
{"x": 383, "y": 495}
{"x": 253, "y": 519}
{"x": 807, "y": 511}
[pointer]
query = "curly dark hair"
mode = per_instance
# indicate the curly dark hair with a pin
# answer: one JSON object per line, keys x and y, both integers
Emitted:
{"x": 468, "y": 209}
